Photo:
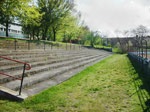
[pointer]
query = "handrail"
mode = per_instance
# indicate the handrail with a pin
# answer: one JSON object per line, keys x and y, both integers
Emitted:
{"x": 24, "y": 68}
{"x": 10, "y": 76}
{"x": 29, "y": 66}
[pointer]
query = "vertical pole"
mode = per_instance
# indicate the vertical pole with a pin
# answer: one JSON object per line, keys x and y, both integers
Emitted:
{"x": 44, "y": 46}
{"x": 28, "y": 45}
{"x": 22, "y": 79}
{"x": 70, "y": 46}
{"x": 146, "y": 49}
{"x": 142, "y": 50}
{"x": 15, "y": 44}
{"x": 66, "y": 45}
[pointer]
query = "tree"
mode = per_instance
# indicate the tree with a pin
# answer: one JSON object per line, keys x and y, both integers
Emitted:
{"x": 92, "y": 38}
{"x": 31, "y": 21}
{"x": 140, "y": 33}
{"x": 54, "y": 11}
{"x": 70, "y": 28}
{"x": 12, "y": 10}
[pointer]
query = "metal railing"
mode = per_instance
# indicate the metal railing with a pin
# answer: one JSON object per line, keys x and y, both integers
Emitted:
{"x": 24, "y": 68}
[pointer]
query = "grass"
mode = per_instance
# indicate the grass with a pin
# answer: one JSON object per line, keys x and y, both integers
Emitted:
{"x": 117, "y": 50}
{"x": 105, "y": 87}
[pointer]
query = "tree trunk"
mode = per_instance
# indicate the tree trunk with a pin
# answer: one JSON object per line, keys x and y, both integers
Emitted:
{"x": 44, "y": 33}
{"x": 54, "y": 33}
{"x": 7, "y": 28}
{"x": 38, "y": 35}
{"x": 33, "y": 35}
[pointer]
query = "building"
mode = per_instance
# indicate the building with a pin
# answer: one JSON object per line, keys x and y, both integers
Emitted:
{"x": 14, "y": 30}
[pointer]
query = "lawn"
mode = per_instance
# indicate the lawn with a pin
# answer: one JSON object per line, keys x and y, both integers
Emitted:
{"x": 104, "y": 87}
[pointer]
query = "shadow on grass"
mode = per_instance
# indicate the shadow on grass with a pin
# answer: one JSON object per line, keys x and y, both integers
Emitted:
{"x": 142, "y": 85}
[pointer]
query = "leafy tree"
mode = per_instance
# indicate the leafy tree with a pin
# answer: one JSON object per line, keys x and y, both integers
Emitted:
{"x": 12, "y": 10}
{"x": 31, "y": 21}
{"x": 54, "y": 11}
{"x": 92, "y": 38}
{"x": 70, "y": 28}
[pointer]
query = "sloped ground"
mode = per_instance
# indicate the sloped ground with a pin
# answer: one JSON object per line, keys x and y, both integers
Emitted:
{"x": 104, "y": 87}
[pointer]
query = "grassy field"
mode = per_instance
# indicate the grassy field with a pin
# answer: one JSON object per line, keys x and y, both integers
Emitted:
{"x": 105, "y": 87}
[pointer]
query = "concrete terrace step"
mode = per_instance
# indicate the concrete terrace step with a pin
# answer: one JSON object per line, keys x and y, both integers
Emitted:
{"x": 38, "y": 52}
{"x": 4, "y": 63}
{"x": 38, "y": 69}
{"x": 55, "y": 80}
{"x": 34, "y": 52}
{"x": 37, "y": 62}
{"x": 2, "y": 51}
{"x": 45, "y": 75}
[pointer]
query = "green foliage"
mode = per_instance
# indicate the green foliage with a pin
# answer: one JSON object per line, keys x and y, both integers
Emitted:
{"x": 54, "y": 11}
{"x": 48, "y": 20}
{"x": 12, "y": 10}
{"x": 117, "y": 50}
{"x": 92, "y": 38}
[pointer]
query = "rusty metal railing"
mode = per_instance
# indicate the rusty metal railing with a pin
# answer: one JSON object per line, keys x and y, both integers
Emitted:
{"x": 24, "y": 68}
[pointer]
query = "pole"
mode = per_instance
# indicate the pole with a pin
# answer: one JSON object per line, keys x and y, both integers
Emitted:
{"x": 22, "y": 79}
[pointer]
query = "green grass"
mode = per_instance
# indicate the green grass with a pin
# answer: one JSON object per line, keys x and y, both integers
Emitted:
{"x": 117, "y": 50}
{"x": 105, "y": 87}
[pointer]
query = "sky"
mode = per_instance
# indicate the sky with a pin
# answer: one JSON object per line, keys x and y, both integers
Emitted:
{"x": 109, "y": 16}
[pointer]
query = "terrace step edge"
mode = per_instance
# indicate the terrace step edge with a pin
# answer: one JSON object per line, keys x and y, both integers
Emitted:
{"x": 9, "y": 94}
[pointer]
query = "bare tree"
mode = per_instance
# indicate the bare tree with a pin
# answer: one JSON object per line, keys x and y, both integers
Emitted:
{"x": 127, "y": 34}
{"x": 140, "y": 33}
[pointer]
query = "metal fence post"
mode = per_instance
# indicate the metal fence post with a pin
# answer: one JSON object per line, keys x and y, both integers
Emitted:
{"x": 22, "y": 79}
{"x": 58, "y": 45}
{"x": 28, "y": 45}
{"x": 70, "y": 46}
{"x": 66, "y": 45}
{"x": 44, "y": 46}
{"x": 15, "y": 44}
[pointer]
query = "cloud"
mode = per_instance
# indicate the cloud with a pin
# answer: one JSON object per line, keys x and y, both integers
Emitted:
{"x": 109, "y": 15}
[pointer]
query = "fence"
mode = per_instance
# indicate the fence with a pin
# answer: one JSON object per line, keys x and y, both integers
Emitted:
{"x": 28, "y": 45}
{"x": 139, "y": 54}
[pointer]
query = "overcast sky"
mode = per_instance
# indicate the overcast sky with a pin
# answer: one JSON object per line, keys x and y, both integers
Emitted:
{"x": 107, "y": 16}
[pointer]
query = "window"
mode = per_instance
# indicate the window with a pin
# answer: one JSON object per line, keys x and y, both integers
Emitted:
{"x": 14, "y": 31}
{"x": 1, "y": 29}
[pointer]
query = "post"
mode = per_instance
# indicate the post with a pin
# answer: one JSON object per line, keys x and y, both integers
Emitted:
{"x": 70, "y": 46}
{"x": 44, "y": 46}
{"x": 28, "y": 45}
{"x": 66, "y": 45}
{"x": 142, "y": 50}
{"x": 22, "y": 79}
{"x": 146, "y": 49}
{"x": 58, "y": 45}
{"x": 15, "y": 44}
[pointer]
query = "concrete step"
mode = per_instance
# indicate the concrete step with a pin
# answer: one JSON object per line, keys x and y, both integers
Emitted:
{"x": 57, "y": 79}
{"x": 34, "y": 70}
{"x": 8, "y": 94}
{"x": 34, "y": 53}
{"x": 38, "y": 62}
{"x": 45, "y": 75}
{"x": 40, "y": 58}
{"x": 4, "y": 51}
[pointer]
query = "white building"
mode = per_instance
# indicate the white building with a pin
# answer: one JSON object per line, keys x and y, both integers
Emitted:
{"x": 14, "y": 30}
